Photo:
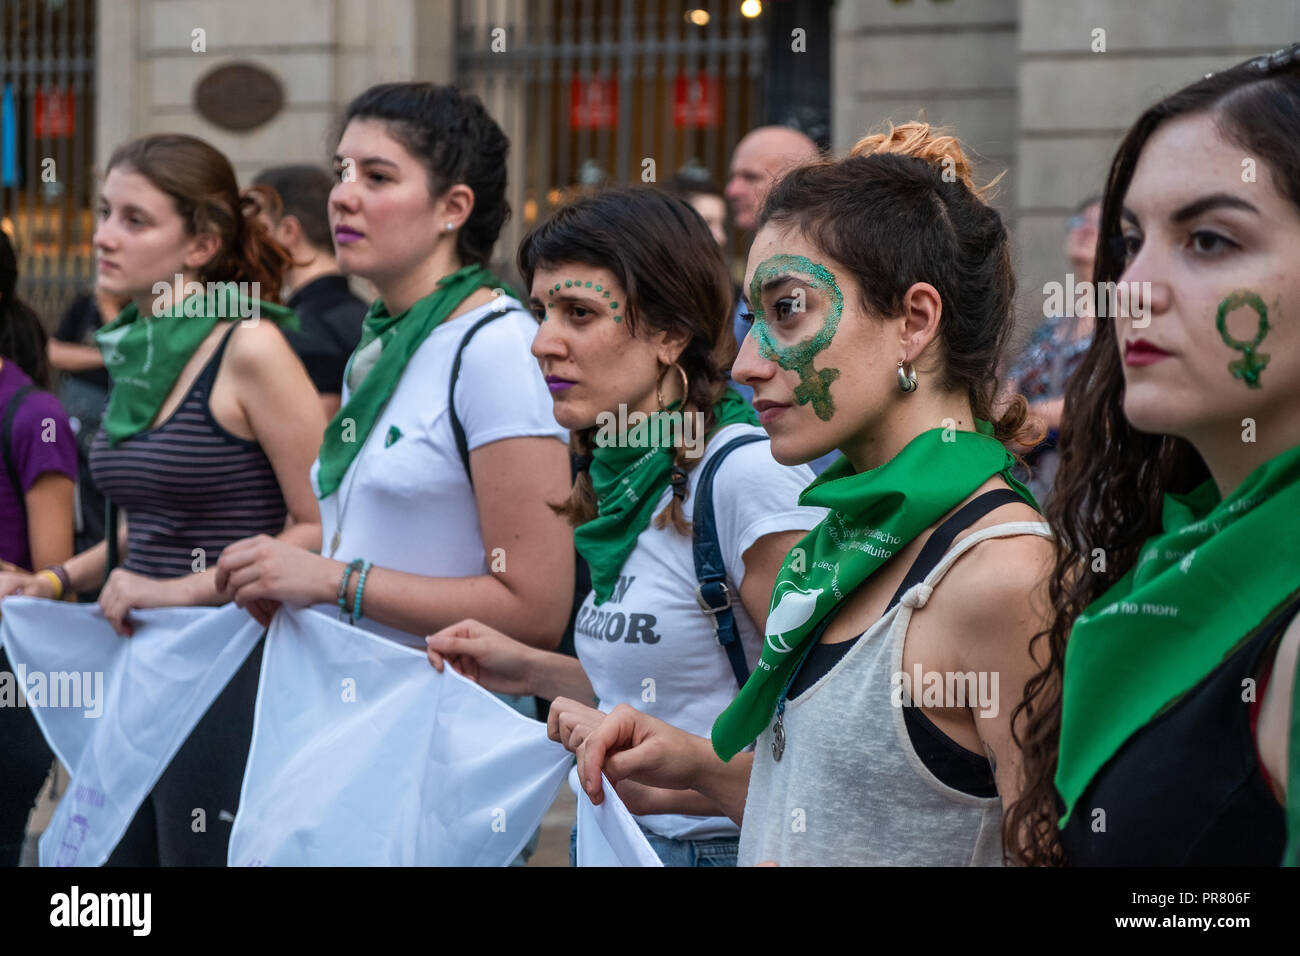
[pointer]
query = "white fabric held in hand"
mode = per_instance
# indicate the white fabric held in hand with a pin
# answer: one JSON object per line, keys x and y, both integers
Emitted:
{"x": 155, "y": 687}
{"x": 608, "y": 834}
{"x": 364, "y": 755}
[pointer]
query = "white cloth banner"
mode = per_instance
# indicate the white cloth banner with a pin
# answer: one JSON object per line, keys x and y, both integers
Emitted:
{"x": 608, "y": 834}
{"x": 364, "y": 755}
{"x": 139, "y": 698}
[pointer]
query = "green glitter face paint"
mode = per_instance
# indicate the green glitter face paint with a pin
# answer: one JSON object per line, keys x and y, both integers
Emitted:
{"x": 1251, "y": 363}
{"x": 579, "y": 284}
{"x": 814, "y": 384}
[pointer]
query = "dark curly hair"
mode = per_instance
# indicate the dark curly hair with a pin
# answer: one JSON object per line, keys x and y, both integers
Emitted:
{"x": 1112, "y": 478}
{"x": 456, "y": 141}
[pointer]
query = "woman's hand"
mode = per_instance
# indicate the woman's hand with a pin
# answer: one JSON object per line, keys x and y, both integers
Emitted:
{"x": 630, "y": 745}
{"x": 486, "y": 656}
{"x": 261, "y": 572}
{"x": 20, "y": 582}
{"x": 571, "y": 723}
{"x": 125, "y": 591}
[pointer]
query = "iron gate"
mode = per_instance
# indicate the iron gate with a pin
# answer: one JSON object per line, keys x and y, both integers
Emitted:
{"x": 589, "y": 91}
{"x": 47, "y": 71}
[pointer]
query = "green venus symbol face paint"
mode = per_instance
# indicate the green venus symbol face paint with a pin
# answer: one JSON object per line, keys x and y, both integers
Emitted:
{"x": 814, "y": 384}
{"x": 1251, "y": 363}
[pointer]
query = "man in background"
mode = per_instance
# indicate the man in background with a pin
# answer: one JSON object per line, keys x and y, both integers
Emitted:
{"x": 294, "y": 201}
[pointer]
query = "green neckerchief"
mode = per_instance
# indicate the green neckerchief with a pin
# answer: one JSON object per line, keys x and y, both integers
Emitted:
{"x": 144, "y": 354}
{"x": 1220, "y": 569}
{"x": 629, "y": 477}
{"x": 873, "y": 516}
{"x": 376, "y": 368}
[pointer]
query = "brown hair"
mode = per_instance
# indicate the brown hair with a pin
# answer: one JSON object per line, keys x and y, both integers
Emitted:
{"x": 1112, "y": 478}
{"x": 203, "y": 188}
{"x": 661, "y": 252}
{"x": 903, "y": 208}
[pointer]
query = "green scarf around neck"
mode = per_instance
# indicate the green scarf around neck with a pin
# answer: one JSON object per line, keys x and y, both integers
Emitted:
{"x": 386, "y": 346}
{"x": 629, "y": 476}
{"x": 144, "y": 354}
{"x": 873, "y": 516}
{"x": 1217, "y": 572}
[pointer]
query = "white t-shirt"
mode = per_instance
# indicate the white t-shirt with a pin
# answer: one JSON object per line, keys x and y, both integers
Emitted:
{"x": 406, "y": 501}
{"x": 650, "y": 645}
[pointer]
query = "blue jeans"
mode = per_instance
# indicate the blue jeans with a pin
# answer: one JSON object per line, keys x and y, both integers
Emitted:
{"x": 721, "y": 851}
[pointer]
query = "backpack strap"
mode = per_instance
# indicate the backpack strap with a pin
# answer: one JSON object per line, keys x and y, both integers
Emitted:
{"x": 6, "y": 439}
{"x": 712, "y": 593}
{"x": 457, "y": 429}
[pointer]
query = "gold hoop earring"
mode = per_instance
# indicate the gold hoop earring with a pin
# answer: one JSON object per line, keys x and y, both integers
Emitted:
{"x": 659, "y": 386}
{"x": 906, "y": 379}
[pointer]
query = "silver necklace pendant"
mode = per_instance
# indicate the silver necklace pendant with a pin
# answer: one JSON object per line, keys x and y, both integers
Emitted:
{"x": 334, "y": 542}
{"x": 778, "y": 738}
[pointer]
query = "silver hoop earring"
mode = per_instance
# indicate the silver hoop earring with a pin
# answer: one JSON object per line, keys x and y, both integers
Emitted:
{"x": 906, "y": 380}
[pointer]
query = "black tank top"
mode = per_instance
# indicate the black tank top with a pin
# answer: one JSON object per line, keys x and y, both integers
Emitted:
{"x": 1186, "y": 789}
{"x": 188, "y": 484}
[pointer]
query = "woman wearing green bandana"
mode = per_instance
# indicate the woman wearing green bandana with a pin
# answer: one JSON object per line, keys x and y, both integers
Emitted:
{"x": 207, "y": 438}
{"x": 1164, "y": 729}
{"x": 415, "y": 537}
{"x": 631, "y": 296}
{"x": 897, "y": 640}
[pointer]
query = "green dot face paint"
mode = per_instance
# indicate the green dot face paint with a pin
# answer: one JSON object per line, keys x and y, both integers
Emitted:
{"x": 814, "y": 384}
{"x": 578, "y": 284}
{"x": 1251, "y": 363}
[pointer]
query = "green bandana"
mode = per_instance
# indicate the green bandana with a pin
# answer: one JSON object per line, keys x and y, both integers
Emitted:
{"x": 387, "y": 344}
{"x": 629, "y": 476}
{"x": 873, "y": 516}
{"x": 144, "y": 354}
{"x": 1219, "y": 571}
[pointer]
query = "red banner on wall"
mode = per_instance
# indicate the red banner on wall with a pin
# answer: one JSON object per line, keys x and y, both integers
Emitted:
{"x": 695, "y": 100}
{"x": 593, "y": 103}
{"x": 54, "y": 113}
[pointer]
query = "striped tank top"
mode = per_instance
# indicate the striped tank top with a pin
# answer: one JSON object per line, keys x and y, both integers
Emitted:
{"x": 187, "y": 484}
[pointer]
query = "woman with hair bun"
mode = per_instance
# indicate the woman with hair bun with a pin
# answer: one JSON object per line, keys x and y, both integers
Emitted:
{"x": 434, "y": 475}
{"x": 898, "y": 636}
{"x": 207, "y": 438}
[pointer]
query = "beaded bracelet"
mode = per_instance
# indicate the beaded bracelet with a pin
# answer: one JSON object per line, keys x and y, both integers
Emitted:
{"x": 361, "y": 586}
{"x": 343, "y": 585}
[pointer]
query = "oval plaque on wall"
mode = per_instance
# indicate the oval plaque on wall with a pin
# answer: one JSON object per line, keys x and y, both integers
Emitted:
{"x": 238, "y": 96}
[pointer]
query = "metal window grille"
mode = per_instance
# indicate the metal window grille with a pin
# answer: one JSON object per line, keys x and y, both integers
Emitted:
{"x": 47, "y": 69}
{"x": 589, "y": 90}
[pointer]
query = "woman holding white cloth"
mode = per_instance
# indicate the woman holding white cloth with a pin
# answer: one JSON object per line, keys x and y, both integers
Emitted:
{"x": 632, "y": 299}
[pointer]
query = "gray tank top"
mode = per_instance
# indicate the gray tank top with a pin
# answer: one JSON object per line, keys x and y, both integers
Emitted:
{"x": 849, "y": 789}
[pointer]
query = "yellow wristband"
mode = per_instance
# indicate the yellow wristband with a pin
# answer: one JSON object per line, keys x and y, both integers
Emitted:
{"x": 53, "y": 579}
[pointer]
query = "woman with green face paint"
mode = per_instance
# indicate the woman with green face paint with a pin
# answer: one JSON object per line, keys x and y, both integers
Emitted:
{"x": 633, "y": 300}
{"x": 881, "y": 291}
{"x": 1157, "y": 734}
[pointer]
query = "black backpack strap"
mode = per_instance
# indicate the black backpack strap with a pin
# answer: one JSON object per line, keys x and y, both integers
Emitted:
{"x": 457, "y": 429}
{"x": 938, "y": 543}
{"x": 712, "y": 593}
{"x": 6, "y": 439}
